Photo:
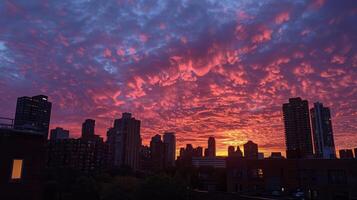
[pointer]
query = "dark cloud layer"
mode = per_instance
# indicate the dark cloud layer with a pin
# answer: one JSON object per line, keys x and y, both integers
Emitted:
{"x": 199, "y": 68}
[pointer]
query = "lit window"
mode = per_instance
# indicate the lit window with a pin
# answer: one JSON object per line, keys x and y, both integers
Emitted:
{"x": 16, "y": 169}
{"x": 260, "y": 173}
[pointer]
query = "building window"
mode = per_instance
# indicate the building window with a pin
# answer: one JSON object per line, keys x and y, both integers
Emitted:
{"x": 260, "y": 173}
{"x": 256, "y": 173}
{"x": 16, "y": 169}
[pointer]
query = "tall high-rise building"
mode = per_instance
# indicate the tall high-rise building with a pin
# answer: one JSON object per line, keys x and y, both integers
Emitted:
{"x": 206, "y": 152}
{"x": 197, "y": 152}
{"x": 59, "y": 134}
{"x": 231, "y": 151}
{"x": 33, "y": 113}
{"x": 239, "y": 152}
{"x": 170, "y": 142}
{"x": 250, "y": 150}
{"x": 211, "y": 147}
{"x": 324, "y": 144}
{"x": 88, "y": 127}
{"x": 297, "y": 128}
{"x": 158, "y": 152}
{"x": 124, "y": 141}
{"x": 234, "y": 153}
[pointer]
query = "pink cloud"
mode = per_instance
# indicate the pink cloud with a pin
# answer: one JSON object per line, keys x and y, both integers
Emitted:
{"x": 107, "y": 53}
{"x": 264, "y": 34}
{"x": 282, "y": 17}
{"x": 304, "y": 69}
{"x": 143, "y": 38}
{"x": 120, "y": 52}
{"x": 338, "y": 59}
{"x": 317, "y": 4}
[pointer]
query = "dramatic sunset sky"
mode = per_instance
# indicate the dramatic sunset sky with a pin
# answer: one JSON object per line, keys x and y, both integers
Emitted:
{"x": 200, "y": 68}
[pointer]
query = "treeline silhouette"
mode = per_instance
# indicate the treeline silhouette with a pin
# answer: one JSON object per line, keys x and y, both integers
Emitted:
{"x": 124, "y": 184}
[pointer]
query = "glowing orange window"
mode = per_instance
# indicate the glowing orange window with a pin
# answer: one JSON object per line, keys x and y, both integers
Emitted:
{"x": 16, "y": 169}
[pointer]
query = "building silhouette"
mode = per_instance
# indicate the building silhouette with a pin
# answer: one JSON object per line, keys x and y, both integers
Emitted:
{"x": 276, "y": 155}
{"x": 33, "y": 113}
{"x": 59, "y": 134}
{"x": 188, "y": 154}
{"x": 145, "y": 162}
{"x": 124, "y": 141}
{"x": 6, "y": 122}
{"x": 297, "y": 128}
{"x": 170, "y": 142}
{"x": 326, "y": 179}
{"x": 82, "y": 154}
{"x": 86, "y": 154}
{"x": 88, "y": 127}
{"x": 211, "y": 150}
{"x": 215, "y": 162}
{"x": 205, "y": 152}
{"x": 232, "y": 152}
{"x": 198, "y": 152}
{"x": 158, "y": 150}
{"x": 324, "y": 144}
{"x": 346, "y": 154}
{"x": 22, "y": 158}
{"x": 250, "y": 150}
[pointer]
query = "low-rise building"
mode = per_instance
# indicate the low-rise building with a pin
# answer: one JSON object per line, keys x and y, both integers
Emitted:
{"x": 22, "y": 164}
{"x": 313, "y": 178}
{"x": 85, "y": 155}
{"x": 216, "y": 162}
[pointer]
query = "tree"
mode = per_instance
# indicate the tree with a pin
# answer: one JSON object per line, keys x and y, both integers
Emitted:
{"x": 162, "y": 187}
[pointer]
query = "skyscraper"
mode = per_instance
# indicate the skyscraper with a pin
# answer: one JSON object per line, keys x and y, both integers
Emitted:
{"x": 234, "y": 153}
{"x": 197, "y": 152}
{"x": 124, "y": 141}
{"x": 324, "y": 144}
{"x": 88, "y": 128}
{"x": 297, "y": 128}
{"x": 33, "y": 113}
{"x": 239, "y": 152}
{"x": 59, "y": 134}
{"x": 170, "y": 142}
{"x": 158, "y": 152}
{"x": 250, "y": 150}
{"x": 231, "y": 151}
{"x": 211, "y": 147}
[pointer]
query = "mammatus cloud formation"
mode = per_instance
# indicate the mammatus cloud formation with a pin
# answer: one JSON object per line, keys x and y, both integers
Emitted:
{"x": 198, "y": 68}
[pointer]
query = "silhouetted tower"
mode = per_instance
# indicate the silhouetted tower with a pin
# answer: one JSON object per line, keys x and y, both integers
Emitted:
{"x": 197, "y": 152}
{"x": 124, "y": 141}
{"x": 33, "y": 113}
{"x": 170, "y": 142}
{"x": 297, "y": 128}
{"x": 234, "y": 153}
{"x": 239, "y": 152}
{"x": 322, "y": 132}
{"x": 157, "y": 151}
{"x": 59, "y": 134}
{"x": 211, "y": 147}
{"x": 250, "y": 150}
{"x": 231, "y": 151}
{"x": 88, "y": 127}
